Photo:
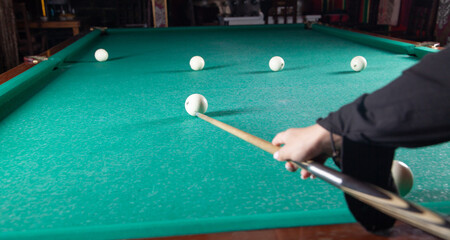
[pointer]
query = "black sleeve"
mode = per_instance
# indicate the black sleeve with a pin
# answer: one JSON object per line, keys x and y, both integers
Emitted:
{"x": 411, "y": 111}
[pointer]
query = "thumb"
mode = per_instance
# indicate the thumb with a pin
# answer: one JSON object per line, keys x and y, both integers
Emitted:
{"x": 280, "y": 155}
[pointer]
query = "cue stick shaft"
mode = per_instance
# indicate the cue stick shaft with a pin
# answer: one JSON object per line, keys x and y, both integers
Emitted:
{"x": 254, "y": 140}
{"x": 385, "y": 201}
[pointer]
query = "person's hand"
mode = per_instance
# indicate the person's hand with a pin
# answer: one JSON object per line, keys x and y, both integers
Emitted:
{"x": 302, "y": 144}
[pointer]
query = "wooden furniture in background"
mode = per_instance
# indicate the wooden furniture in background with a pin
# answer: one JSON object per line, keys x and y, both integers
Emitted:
{"x": 8, "y": 41}
{"x": 73, "y": 24}
{"x": 29, "y": 41}
{"x": 288, "y": 8}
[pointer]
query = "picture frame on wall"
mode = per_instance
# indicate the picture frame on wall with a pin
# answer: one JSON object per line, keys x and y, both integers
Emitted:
{"x": 160, "y": 13}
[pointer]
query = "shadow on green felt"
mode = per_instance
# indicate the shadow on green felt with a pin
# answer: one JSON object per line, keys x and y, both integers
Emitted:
{"x": 232, "y": 112}
{"x": 354, "y": 72}
{"x": 182, "y": 118}
{"x": 270, "y": 71}
{"x": 257, "y": 72}
{"x": 342, "y": 72}
{"x": 190, "y": 70}
{"x": 217, "y": 67}
{"x": 118, "y": 58}
{"x": 94, "y": 61}
{"x": 296, "y": 68}
{"x": 174, "y": 71}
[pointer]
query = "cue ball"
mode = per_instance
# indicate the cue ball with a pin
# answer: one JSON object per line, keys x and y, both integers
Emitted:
{"x": 196, "y": 103}
{"x": 358, "y": 63}
{"x": 403, "y": 177}
{"x": 101, "y": 55}
{"x": 276, "y": 64}
{"x": 197, "y": 63}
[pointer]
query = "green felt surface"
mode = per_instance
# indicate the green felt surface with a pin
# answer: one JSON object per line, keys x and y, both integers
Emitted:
{"x": 106, "y": 150}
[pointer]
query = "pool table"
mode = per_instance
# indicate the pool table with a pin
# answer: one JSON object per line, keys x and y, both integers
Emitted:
{"x": 106, "y": 150}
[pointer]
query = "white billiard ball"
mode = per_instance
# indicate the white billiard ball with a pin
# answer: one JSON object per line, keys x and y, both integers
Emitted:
{"x": 196, "y": 103}
{"x": 197, "y": 63}
{"x": 358, "y": 63}
{"x": 276, "y": 63}
{"x": 403, "y": 177}
{"x": 101, "y": 55}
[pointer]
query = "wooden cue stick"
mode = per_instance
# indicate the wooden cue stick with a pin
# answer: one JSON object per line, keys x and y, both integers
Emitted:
{"x": 385, "y": 201}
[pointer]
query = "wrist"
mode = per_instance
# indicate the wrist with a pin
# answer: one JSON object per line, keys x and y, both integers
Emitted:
{"x": 331, "y": 142}
{"x": 337, "y": 139}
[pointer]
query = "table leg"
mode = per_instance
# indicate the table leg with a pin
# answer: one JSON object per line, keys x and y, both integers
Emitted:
{"x": 75, "y": 31}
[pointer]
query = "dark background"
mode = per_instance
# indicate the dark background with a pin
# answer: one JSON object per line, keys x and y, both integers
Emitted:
{"x": 417, "y": 21}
